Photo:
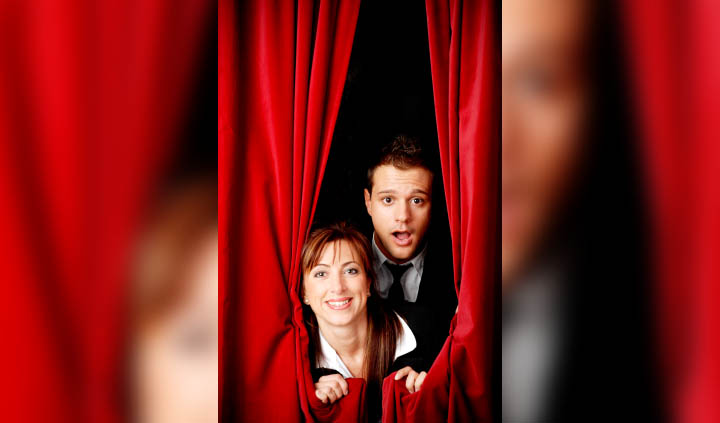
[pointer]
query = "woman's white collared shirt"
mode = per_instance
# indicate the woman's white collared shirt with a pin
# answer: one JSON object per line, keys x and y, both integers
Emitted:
{"x": 330, "y": 359}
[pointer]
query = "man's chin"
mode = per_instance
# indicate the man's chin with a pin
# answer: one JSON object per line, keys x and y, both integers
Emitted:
{"x": 402, "y": 254}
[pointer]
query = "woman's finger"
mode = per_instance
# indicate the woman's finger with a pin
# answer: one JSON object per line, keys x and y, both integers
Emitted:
{"x": 410, "y": 382}
{"x": 337, "y": 389}
{"x": 344, "y": 385}
{"x": 322, "y": 396}
{"x": 341, "y": 384}
{"x": 335, "y": 380}
{"x": 331, "y": 395}
{"x": 330, "y": 378}
{"x": 419, "y": 381}
{"x": 402, "y": 372}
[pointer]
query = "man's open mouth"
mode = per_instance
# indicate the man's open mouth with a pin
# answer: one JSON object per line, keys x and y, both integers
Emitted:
{"x": 402, "y": 238}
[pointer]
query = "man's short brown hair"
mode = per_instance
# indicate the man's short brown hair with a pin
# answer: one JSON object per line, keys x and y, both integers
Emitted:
{"x": 403, "y": 152}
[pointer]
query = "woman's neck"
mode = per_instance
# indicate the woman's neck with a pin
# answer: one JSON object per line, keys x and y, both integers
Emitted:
{"x": 349, "y": 342}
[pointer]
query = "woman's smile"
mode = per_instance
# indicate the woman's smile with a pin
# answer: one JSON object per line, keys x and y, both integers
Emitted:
{"x": 339, "y": 303}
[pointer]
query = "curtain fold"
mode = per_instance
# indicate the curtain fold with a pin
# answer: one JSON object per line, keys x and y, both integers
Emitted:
{"x": 281, "y": 69}
{"x": 463, "y": 64}
{"x": 91, "y": 94}
{"x": 675, "y": 69}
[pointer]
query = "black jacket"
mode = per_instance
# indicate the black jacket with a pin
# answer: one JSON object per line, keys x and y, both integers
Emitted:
{"x": 429, "y": 317}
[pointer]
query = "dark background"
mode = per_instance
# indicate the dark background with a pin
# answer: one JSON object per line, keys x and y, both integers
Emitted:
{"x": 388, "y": 91}
{"x": 196, "y": 153}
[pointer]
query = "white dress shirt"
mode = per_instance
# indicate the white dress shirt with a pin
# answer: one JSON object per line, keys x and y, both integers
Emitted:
{"x": 410, "y": 280}
{"x": 330, "y": 359}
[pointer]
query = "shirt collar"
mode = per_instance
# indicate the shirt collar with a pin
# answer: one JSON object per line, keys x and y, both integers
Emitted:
{"x": 417, "y": 262}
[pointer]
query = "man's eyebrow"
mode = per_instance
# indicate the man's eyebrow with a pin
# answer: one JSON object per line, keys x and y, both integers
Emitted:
{"x": 415, "y": 191}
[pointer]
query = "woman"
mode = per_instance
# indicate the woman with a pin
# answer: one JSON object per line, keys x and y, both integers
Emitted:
{"x": 352, "y": 333}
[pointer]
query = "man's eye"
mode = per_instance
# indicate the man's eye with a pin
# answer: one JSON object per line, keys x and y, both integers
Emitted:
{"x": 319, "y": 274}
{"x": 387, "y": 200}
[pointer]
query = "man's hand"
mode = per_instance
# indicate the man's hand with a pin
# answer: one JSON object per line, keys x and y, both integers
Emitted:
{"x": 331, "y": 388}
{"x": 414, "y": 379}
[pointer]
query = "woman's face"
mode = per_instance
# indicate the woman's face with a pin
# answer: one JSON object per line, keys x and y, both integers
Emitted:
{"x": 337, "y": 288}
{"x": 176, "y": 356}
{"x": 544, "y": 107}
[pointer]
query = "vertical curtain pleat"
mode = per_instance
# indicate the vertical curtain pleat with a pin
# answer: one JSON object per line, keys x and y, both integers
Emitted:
{"x": 281, "y": 69}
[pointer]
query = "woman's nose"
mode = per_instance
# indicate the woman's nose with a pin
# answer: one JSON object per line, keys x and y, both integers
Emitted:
{"x": 337, "y": 283}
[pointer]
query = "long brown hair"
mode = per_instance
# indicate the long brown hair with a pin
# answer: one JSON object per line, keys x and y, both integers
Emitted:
{"x": 383, "y": 325}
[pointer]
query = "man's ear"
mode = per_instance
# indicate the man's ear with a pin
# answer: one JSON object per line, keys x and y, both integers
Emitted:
{"x": 367, "y": 201}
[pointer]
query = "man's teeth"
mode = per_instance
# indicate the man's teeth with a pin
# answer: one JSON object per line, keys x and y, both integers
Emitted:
{"x": 338, "y": 303}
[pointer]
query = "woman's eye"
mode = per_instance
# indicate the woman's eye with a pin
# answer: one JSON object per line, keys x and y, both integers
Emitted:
{"x": 319, "y": 274}
{"x": 352, "y": 271}
{"x": 387, "y": 200}
{"x": 417, "y": 200}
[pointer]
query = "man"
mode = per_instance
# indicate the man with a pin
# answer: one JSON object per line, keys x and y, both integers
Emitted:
{"x": 414, "y": 274}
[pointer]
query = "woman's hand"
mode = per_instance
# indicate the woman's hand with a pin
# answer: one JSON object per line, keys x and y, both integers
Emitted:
{"x": 414, "y": 379}
{"x": 331, "y": 388}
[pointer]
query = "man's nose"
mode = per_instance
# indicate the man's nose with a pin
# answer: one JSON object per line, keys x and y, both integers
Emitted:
{"x": 402, "y": 212}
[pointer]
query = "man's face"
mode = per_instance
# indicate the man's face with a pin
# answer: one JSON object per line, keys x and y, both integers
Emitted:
{"x": 544, "y": 106}
{"x": 399, "y": 206}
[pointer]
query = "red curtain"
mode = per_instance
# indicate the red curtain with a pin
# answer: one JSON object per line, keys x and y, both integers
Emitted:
{"x": 675, "y": 68}
{"x": 91, "y": 94}
{"x": 282, "y": 68}
{"x": 463, "y": 63}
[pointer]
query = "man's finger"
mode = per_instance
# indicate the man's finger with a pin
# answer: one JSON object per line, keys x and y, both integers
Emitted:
{"x": 419, "y": 381}
{"x": 402, "y": 372}
{"x": 410, "y": 382}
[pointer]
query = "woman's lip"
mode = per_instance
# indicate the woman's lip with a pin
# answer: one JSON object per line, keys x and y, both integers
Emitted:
{"x": 339, "y": 303}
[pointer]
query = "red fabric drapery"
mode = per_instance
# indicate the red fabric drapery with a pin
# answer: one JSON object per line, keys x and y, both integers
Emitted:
{"x": 463, "y": 63}
{"x": 281, "y": 73}
{"x": 91, "y": 94}
{"x": 281, "y": 68}
{"x": 675, "y": 69}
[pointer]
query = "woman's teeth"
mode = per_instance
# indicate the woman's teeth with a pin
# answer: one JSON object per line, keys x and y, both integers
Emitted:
{"x": 338, "y": 303}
